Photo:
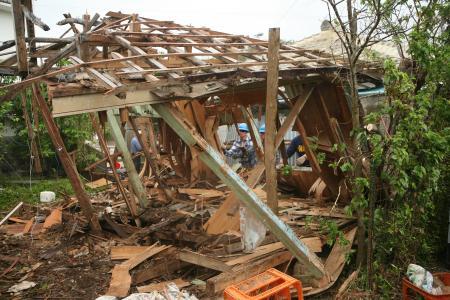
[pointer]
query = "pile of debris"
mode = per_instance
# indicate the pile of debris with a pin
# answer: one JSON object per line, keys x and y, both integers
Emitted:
{"x": 52, "y": 247}
{"x": 187, "y": 217}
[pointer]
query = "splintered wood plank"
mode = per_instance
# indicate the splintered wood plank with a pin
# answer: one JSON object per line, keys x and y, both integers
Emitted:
{"x": 13, "y": 211}
{"x": 166, "y": 267}
{"x": 146, "y": 254}
{"x": 162, "y": 286}
{"x": 227, "y": 216}
{"x": 126, "y": 252}
{"x": 218, "y": 283}
{"x": 336, "y": 260}
{"x": 120, "y": 282}
{"x": 334, "y": 264}
{"x": 203, "y": 261}
{"x": 28, "y": 225}
{"x": 54, "y": 218}
{"x": 204, "y": 193}
{"x": 313, "y": 243}
{"x": 98, "y": 183}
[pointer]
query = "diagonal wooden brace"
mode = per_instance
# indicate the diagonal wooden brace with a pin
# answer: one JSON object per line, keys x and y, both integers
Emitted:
{"x": 214, "y": 161}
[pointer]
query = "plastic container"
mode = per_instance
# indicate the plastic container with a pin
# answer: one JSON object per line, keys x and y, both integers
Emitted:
{"x": 408, "y": 286}
{"x": 272, "y": 284}
{"x": 47, "y": 196}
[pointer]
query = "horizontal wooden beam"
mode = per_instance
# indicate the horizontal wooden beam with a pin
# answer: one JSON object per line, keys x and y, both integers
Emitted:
{"x": 193, "y": 68}
{"x": 181, "y": 35}
{"x": 73, "y": 105}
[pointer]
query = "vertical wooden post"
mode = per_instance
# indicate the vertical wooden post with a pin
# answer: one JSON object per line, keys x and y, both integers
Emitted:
{"x": 67, "y": 163}
{"x": 31, "y": 137}
{"x": 30, "y": 31}
{"x": 129, "y": 201}
{"x": 271, "y": 115}
{"x": 19, "y": 27}
{"x": 133, "y": 177}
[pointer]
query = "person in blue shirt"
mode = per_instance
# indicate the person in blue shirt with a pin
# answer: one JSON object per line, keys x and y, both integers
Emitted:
{"x": 135, "y": 148}
{"x": 243, "y": 148}
{"x": 297, "y": 146}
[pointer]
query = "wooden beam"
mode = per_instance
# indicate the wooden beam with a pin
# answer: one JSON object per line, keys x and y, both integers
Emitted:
{"x": 292, "y": 116}
{"x": 72, "y": 105}
{"x": 128, "y": 200}
{"x": 19, "y": 27}
{"x": 214, "y": 161}
{"x": 133, "y": 176}
{"x": 203, "y": 261}
{"x": 217, "y": 284}
{"x": 271, "y": 116}
{"x": 254, "y": 132}
{"x": 31, "y": 135}
{"x": 33, "y": 19}
{"x": 138, "y": 51}
{"x": 194, "y": 68}
{"x": 66, "y": 161}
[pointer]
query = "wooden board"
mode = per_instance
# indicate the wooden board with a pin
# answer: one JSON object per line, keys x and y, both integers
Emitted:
{"x": 164, "y": 268}
{"x": 313, "y": 243}
{"x": 203, "y": 261}
{"x": 126, "y": 252}
{"x": 218, "y": 283}
{"x": 161, "y": 286}
{"x": 98, "y": 183}
{"x": 334, "y": 264}
{"x": 120, "y": 282}
{"x": 227, "y": 216}
{"x": 54, "y": 218}
{"x": 144, "y": 255}
{"x": 203, "y": 193}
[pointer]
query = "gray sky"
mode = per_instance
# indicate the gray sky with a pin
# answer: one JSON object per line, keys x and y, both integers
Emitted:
{"x": 296, "y": 18}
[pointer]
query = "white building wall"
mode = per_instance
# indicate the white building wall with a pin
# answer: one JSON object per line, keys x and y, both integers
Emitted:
{"x": 6, "y": 23}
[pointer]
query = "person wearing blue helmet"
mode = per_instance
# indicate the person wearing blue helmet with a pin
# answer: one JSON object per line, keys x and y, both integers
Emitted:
{"x": 262, "y": 131}
{"x": 242, "y": 148}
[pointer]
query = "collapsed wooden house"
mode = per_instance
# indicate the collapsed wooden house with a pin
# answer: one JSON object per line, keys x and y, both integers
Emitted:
{"x": 195, "y": 79}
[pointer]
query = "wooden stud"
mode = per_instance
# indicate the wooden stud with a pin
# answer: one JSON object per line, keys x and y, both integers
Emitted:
{"x": 129, "y": 201}
{"x": 133, "y": 176}
{"x": 19, "y": 27}
{"x": 67, "y": 163}
{"x": 271, "y": 115}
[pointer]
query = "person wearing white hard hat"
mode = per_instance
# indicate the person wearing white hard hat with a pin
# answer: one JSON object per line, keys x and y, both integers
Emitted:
{"x": 242, "y": 148}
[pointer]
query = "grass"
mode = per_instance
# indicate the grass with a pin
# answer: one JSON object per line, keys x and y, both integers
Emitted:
{"x": 13, "y": 193}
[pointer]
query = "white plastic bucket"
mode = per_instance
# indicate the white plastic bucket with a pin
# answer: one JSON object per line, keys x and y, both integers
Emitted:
{"x": 47, "y": 196}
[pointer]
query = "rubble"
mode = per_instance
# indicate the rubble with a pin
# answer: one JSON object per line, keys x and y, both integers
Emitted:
{"x": 185, "y": 219}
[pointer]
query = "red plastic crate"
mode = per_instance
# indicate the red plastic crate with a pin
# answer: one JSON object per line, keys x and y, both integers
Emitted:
{"x": 408, "y": 286}
{"x": 272, "y": 284}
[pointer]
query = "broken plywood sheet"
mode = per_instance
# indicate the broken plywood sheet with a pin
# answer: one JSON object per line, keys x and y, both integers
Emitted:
{"x": 120, "y": 282}
{"x": 54, "y": 218}
{"x": 334, "y": 263}
{"x": 201, "y": 193}
{"x": 98, "y": 183}
{"x": 126, "y": 252}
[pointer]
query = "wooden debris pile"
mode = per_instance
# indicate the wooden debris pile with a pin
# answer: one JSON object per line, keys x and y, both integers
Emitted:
{"x": 178, "y": 218}
{"x": 171, "y": 245}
